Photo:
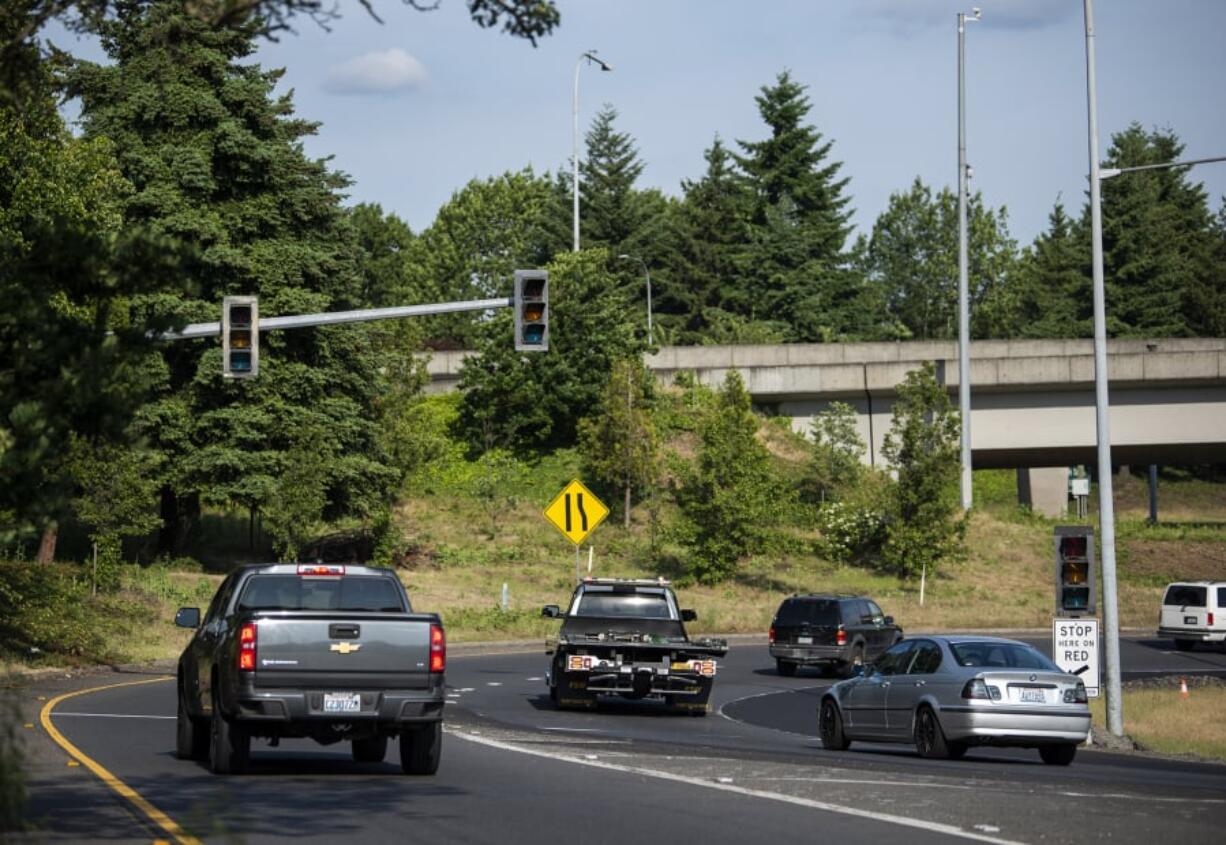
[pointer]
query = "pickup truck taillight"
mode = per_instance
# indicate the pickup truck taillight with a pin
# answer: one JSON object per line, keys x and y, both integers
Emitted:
{"x": 840, "y": 636}
{"x": 438, "y": 649}
{"x": 246, "y": 648}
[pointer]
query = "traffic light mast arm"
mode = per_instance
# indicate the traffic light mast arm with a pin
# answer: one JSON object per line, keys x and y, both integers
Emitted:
{"x": 365, "y": 315}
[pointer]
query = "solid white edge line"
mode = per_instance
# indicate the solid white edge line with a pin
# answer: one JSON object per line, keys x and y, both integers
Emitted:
{"x": 934, "y": 827}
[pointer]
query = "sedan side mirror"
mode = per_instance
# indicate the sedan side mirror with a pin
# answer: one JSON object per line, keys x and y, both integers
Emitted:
{"x": 188, "y": 617}
{"x": 689, "y": 616}
{"x": 551, "y": 611}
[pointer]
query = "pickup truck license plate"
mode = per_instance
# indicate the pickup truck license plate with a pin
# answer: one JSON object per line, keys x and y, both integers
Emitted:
{"x": 1034, "y": 696}
{"x": 804, "y": 640}
{"x": 342, "y": 702}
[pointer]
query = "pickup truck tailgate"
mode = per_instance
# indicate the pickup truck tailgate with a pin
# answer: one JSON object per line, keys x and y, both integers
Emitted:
{"x": 371, "y": 652}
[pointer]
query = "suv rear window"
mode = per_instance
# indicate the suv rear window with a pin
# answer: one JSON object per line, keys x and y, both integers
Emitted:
{"x": 1221, "y": 597}
{"x": 812, "y": 611}
{"x": 1185, "y": 595}
{"x": 293, "y": 592}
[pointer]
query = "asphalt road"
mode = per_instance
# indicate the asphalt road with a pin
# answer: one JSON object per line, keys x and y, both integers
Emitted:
{"x": 515, "y": 770}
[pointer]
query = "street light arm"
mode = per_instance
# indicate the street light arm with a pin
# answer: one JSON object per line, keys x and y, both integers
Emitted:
{"x": 1110, "y": 172}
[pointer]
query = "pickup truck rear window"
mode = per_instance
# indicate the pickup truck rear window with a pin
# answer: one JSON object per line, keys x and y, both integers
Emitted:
{"x": 631, "y": 606}
{"x": 293, "y": 592}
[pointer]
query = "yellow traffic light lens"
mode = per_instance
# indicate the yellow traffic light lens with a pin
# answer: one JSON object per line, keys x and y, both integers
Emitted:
{"x": 1074, "y": 572}
{"x": 533, "y": 312}
{"x": 240, "y": 340}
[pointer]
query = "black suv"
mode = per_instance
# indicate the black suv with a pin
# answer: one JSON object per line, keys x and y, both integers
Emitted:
{"x": 829, "y": 631}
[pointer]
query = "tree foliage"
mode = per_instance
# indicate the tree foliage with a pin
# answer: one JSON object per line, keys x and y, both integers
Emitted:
{"x": 922, "y": 446}
{"x": 529, "y": 401}
{"x": 835, "y": 468}
{"x": 618, "y": 445}
{"x": 730, "y": 499}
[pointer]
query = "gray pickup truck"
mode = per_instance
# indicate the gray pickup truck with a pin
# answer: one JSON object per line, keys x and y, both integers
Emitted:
{"x": 333, "y": 653}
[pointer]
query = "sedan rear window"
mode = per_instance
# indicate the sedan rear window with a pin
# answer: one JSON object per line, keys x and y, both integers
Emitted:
{"x": 293, "y": 592}
{"x": 1001, "y": 656}
{"x": 812, "y": 611}
{"x": 1185, "y": 595}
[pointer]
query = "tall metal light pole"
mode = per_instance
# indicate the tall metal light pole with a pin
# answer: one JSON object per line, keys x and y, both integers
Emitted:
{"x": 964, "y": 308}
{"x": 1106, "y": 495}
{"x": 591, "y": 57}
{"x": 647, "y": 276}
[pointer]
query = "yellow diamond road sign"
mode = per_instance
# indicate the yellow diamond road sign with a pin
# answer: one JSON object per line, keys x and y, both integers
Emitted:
{"x": 576, "y": 512}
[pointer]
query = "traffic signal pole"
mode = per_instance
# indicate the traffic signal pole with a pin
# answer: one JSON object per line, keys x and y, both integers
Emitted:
{"x": 332, "y": 318}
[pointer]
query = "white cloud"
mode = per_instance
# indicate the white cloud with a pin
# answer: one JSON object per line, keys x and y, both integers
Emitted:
{"x": 377, "y": 72}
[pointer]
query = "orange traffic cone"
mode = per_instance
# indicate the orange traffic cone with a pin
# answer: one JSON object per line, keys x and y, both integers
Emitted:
{"x": 1183, "y": 687}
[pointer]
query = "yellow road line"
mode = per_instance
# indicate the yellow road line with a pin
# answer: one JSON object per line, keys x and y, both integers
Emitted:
{"x": 155, "y": 815}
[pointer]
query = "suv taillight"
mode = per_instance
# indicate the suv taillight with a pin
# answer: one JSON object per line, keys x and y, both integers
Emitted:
{"x": 438, "y": 649}
{"x": 771, "y": 635}
{"x": 1211, "y": 619}
{"x": 246, "y": 647}
{"x": 840, "y": 637}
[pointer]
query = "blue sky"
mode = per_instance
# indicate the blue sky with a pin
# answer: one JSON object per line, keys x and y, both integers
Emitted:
{"x": 415, "y": 107}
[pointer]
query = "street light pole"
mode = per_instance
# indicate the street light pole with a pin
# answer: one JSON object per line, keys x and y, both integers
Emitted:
{"x": 964, "y": 308}
{"x": 1106, "y": 495}
{"x": 591, "y": 57}
{"x": 647, "y": 276}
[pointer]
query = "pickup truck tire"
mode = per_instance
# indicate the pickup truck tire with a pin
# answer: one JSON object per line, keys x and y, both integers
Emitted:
{"x": 191, "y": 734}
{"x": 370, "y": 750}
{"x": 421, "y": 748}
{"x": 229, "y": 744}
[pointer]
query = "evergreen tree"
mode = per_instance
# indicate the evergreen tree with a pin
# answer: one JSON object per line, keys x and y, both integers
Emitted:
{"x": 794, "y": 269}
{"x": 384, "y": 241}
{"x": 1157, "y": 239}
{"x": 707, "y": 231}
{"x": 611, "y": 212}
{"x": 216, "y": 162}
{"x": 73, "y": 361}
{"x": 1055, "y": 298}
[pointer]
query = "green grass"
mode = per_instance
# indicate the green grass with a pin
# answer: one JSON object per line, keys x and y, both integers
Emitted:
{"x": 1163, "y": 720}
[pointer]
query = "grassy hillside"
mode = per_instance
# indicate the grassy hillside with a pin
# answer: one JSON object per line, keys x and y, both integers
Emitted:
{"x": 468, "y": 527}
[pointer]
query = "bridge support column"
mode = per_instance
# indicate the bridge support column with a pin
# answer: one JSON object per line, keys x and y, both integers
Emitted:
{"x": 1044, "y": 490}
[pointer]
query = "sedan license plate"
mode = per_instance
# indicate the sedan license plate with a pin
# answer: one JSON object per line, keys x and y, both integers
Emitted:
{"x": 804, "y": 640}
{"x": 1189, "y": 620}
{"x": 342, "y": 702}
{"x": 1034, "y": 696}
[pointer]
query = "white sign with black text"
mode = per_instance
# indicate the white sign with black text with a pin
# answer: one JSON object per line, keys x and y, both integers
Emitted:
{"x": 1074, "y": 648}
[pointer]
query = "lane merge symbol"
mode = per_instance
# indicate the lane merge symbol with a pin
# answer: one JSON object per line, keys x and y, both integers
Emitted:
{"x": 576, "y": 512}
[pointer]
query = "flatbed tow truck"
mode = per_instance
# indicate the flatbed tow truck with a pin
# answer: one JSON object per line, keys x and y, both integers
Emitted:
{"x": 627, "y": 637}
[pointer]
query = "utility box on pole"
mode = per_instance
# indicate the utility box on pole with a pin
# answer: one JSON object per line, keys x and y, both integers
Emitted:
{"x": 1075, "y": 586}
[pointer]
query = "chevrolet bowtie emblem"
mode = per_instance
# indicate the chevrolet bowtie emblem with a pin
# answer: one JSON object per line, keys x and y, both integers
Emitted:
{"x": 345, "y": 648}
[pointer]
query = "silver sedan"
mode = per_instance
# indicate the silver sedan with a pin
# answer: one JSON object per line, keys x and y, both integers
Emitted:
{"x": 947, "y": 694}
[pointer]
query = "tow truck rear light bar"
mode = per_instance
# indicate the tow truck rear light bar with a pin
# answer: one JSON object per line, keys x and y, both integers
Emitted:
{"x": 319, "y": 569}
{"x": 246, "y": 647}
{"x": 438, "y": 649}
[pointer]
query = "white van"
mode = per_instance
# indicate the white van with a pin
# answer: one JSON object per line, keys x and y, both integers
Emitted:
{"x": 1194, "y": 612}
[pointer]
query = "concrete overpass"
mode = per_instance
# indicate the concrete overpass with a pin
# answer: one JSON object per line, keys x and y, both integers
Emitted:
{"x": 1032, "y": 402}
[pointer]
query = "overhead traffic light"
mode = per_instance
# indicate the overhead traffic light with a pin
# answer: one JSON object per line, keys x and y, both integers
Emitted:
{"x": 240, "y": 336}
{"x": 1074, "y": 570}
{"x": 531, "y": 305}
